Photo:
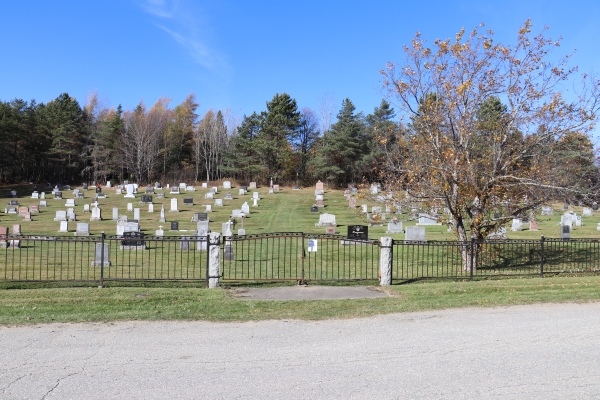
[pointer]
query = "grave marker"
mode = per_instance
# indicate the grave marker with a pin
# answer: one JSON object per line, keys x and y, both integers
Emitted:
{"x": 83, "y": 229}
{"x": 326, "y": 220}
{"x": 174, "y": 206}
{"x": 101, "y": 255}
{"x": 415, "y": 234}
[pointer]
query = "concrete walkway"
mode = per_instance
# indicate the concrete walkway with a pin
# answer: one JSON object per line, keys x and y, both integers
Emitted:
{"x": 308, "y": 293}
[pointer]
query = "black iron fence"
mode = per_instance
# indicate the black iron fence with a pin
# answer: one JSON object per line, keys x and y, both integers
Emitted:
{"x": 283, "y": 256}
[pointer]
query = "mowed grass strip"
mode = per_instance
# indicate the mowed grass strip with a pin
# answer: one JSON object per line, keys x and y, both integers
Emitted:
{"x": 86, "y": 304}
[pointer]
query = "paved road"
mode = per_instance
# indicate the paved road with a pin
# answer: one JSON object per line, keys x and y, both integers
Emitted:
{"x": 539, "y": 351}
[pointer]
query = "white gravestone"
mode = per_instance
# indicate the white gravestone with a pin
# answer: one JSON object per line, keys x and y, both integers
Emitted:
{"x": 237, "y": 214}
{"x": 425, "y": 219}
{"x": 255, "y": 196}
{"x": 86, "y": 208}
{"x": 150, "y": 208}
{"x": 587, "y": 212}
{"x": 218, "y": 202}
{"x": 129, "y": 207}
{"x": 364, "y": 209}
{"x": 43, "y": 195}
{"x": 83, "y": 229}
{"x": 174, "y": 206}
{"x": 61, "y": 216}
{"x": 96, "y": 214}
{"x": 35, "y": 195}
{"x": 64, "y": 226}
{"x": 255, "y": 203}
{"x": 415, "y": 234}
{"x": 241, "y": 192}
{"x": 208, "y": 208}
{"x": 226, "y": 185}
{"x": 115, "y": 214}
{"x": 326, "y": 220}
{"x": 162, "y": 214}
{"x": 517, "y": 225}
{"x": 246, "y": 208}
{"x": 136, "y": 214}
{"x": 70, "y": 203}
{"x": 209, "y": 195}
{"x": 204, "y": 185}
{"x": 395, "y": 227}
{"x": 130, "y": 192}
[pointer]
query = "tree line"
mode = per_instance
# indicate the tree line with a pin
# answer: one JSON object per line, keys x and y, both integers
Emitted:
{"x": 64, "y": 141}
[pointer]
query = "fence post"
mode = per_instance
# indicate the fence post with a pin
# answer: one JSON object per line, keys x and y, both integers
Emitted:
{"x": 542, "y": 240}
{"x": 385, "y": 261}
{"x": 303, "y": 257}
{"x": 102, "y": 261}
{"x": 213, "y": 248}
{"x": 472, "y": 258}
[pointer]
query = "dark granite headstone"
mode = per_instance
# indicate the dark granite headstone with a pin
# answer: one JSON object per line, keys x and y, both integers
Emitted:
{"x": 314, "y": 209}
{"x": 57, "y": 195}
{"x": 202, "y": 216}
{"x": 98, "y": 190}
{"x": 149, "y": 190}
{"x": 13, "y": 203}
{"x": 85, "y": 186}
{"x": 175, "y": 225}
{"x": 595, "y": 206}
{"x": 188, "y": 200}
{"x": 360, "y": 232}
{"x": 133, "y": 239}
{"x": 146, "y": 199}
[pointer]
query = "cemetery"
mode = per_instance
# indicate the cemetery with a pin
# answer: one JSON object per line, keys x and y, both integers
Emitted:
{"x": 306, "y": 213}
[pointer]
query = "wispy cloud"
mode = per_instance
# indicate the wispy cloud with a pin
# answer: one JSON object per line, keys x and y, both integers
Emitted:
{"x": 179, "y": 22}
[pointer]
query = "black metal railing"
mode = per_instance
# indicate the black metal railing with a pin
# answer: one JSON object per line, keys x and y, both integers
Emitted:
{"x": 283, "y": 256}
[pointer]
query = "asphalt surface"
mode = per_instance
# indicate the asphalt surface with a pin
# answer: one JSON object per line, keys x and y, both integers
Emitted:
{"x": 546, "y": 351}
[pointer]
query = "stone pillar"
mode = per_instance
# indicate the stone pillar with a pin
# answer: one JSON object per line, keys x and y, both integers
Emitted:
{"x": 214, "y": 259}
{"x": 385, "y": 261}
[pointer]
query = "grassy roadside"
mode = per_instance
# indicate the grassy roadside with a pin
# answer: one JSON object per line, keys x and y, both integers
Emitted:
{"x": 30, "y": 306}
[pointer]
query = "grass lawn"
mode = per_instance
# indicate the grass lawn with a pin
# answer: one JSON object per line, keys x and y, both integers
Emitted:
{"x": 85, "y": 304}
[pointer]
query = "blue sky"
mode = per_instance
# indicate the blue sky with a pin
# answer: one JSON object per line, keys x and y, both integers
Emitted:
{"x": 238, "y": 54}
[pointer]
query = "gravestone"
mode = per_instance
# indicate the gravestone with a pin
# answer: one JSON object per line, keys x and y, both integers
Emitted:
{"x": 129, "y": 207}
{"x": 160, "y": 195}
{"x": 395, "y": 227}
{"x": 209, "y": 195}
{"x": 85, "y": 186}
{"x": 3, "y": 237}
{"x": 204, "y": 185}
{"x": 149, "y": 190}
{"x": 16, "y": 229}
{"x": 202, "y": 228}
{"x": 190, "y": 189}
{"x": 326, "y": 220}
{"x": 23, "y": 211}
{"x": 101, "y": 255}
{"x": 352, "y": 202}
{"x": 174, "y": 190}
{"x": 314, "y": 209}
{"x": 34, "y": 209}
{"x": 226, "y": 185}
{"x": 246, "y": 208}
{"x": 13, "y": 193}
{"x": 374, "y": 189}
{"x": 108, "y": 184}
{"x": 330, "y": 230}
{"x": 11, "y": 210}
{"x": 159, "y": 232}
{"x": 533, "y": 225}
{"x": 182, "y": 185}
{"x": 43, "y": 195}
{"x": 119, "y": 191}
{"x": 98, "y": 190}
{"x": 376, "y": 209}
{"x": 595, "y": 206}
{"x": 43, "y": 203}
{"x": 13, "y": 203}
{"x": 157, "y": 185}
{"x": 565, "y": 232}
{"x": 120, "y": 227}
{"x": 64, "y": 226}
{"x": 115, "y": 213}
{"x": 188, "y": 201}
{"x": 319, "y": 197}
{"x": 565, "y": 206}
{"x": 174, "y": 206}
{"x": 415, "y": 234}
{"x": 184, "y": 243}
{"x": 358, "y": 232}
{"x": 227, "y": 229}
{"x": 271, "y": 191}
{"x": 35, "y": 195}
{"x": 60, "y": 215}
{"x": 130, "y": 192}
{"x": 79, "y": 195}
{"x": 150, "y": 208}
{"x": 208, "y": 208}
{"x": 162, "y": 214}
{"x": 319, "y": 186}
{"x": 255, "y": 195}
{"x": 241, "y": 232}
{"x": 237, "y": 214}
{"x": 547, "y": 210}
{"x": 425, "y": 219}
{"x": 516, "y": 225}
{"x": 320, "y": 203}
{"x": 252, "y": 185}
{"x": 57, "y": 195}
{"x": 96, "y": 214}
{"x": 276, "y": 188}
{"x": 133, "y": 241}
{"x": 131, "y": 226}
{"x": 83, "y": 229}
{"x": 364, "y": 209}
{"x": 136, "y": 214}
{"x": 174, "y": 225}
{"x": 500, "y": 234}
{"x": 228, "y": 251}
{"x": 255, "y": 202}
{"x": 218, "y": 202}
{"x": 228, "y": 196}
{"x": 587, "y": 212}
{"x": 241, "y": 192}
{"x": 27, "y": 217}
{"x": 199, "y": 217}
{"x": 146, "y": 199}
{"x": 71, "y": 215}
{"x": 578, "y": 221}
